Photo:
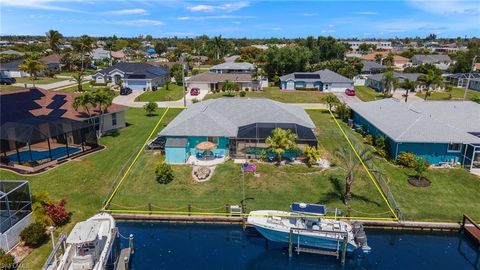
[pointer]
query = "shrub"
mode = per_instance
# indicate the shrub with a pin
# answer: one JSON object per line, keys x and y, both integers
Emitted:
{"x": 150, "y": 107}
{"x": 406, "y": 159}
{"x": 369, "y": 139}
{"x": 421, "y": 166}
{"x": 57, "y": 212}
{"x": 306, "y": 88}
{"x": 342, "y": 111}
{"x": 164, "y": 173}
{"x": 7, "y": 261}
{"x": 381, "y": 146}
{"x": 34, "y": 235}
{"x": 243, "y": 93}
{"x": 247, "y": 89}
{"x": 195, "y": 100}
{"x": 311, "y": 154}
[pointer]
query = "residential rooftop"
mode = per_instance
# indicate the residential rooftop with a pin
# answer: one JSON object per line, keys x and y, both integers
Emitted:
{"x": 325, "y": 76}
{"x": 220, "y": 77}
{"x": 233, "y": 66}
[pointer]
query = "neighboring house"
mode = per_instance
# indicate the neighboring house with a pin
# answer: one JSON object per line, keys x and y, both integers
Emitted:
{"x": 210, "y": 81}
{"x": 52, "y": 62}
{"x": 11, "y": 69}
{"x": 460, "y": 79}
{"x": 233, "y": 67}
{"x": 119, "y": 56}
{"x": 398, "y": 61}
{"x": 375, "y": 81}
{"x": 16, "y": 211}
{"x": 476, "y": 67}
{"x": 369, "y": 67}
{"x": 380, "y": 45}
{"x": 440, "y": 131}
{"x": 324, "y": 80}
{"x": 12, "y": 52}
{"x": 237, "y": 126}
{"x": 441, "y": 61}
{"x": 137, "y": 76}
{"x": 200, "y": 60}
{"x": 100, "y": 54}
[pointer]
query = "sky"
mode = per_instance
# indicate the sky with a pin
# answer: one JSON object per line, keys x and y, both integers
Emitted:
{"x": 251, "y": 19}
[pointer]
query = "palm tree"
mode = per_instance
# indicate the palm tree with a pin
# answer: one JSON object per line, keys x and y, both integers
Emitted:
{"x": 85, "y": 46}
{"x": 388, "y": 61}
{"x": 32, "y": 66}
{"x": 351, "y": 164}
{"x": 84, "y": 101}
{"x": 103, "y": 98}
{"x": 431, "y": 80}
{"x": 54, "y": 39}
{"x": 280, "y": 141}
{"x": 390, "y": 82}
{"x": 409, "y": 86}
{"x": 78, "y": 77}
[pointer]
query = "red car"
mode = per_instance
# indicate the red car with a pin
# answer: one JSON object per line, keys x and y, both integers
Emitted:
{"x": 194, "y": 92}
{"x": 350, "y": 92}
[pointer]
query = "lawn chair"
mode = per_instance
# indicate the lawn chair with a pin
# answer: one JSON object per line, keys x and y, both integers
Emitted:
{"x": 219, "y": 154}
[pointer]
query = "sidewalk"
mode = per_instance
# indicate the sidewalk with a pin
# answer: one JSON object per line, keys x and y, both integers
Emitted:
{"x": 129, "y": 100}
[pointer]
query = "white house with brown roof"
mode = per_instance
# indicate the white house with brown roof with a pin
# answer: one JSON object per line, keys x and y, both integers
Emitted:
{"x": 211, "y": 81}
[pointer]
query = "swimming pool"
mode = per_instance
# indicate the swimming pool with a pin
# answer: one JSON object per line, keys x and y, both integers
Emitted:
{"x": 206, "y": 246}
{"x": 57, "y": 153}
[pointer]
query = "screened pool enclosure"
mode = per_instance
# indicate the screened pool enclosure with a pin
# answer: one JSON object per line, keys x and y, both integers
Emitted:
{"x": 15, "y": 203}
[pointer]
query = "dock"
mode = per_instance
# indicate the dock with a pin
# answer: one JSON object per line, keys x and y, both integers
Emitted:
{"x": 123, "y": 261}
{"x": 471, "y": 228}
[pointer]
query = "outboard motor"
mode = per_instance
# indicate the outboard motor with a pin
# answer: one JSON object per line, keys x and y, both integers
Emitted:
{"x": 360, "y": 237}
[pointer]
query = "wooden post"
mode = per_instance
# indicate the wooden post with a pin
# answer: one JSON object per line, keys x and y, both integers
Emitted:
{"x": 149, "y": 208}
{"x": 290, "y": 240}
{"x": 125, "y": 261}
{"x": 344, "y": 249}
{"x": 189, "y": 209}
{"x": 227, "y": 209}
{"x": 130, "y": 244}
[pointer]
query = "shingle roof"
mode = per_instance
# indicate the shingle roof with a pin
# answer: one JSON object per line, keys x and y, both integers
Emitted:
{"x": 233, "y": 65}
{"x": 400, "y": 76}
{"x": 11, "y": 65}
{"x": 430, "y": 58}
{"x": 51, "y": 59}
{"x": 223, "y": 117}
{"x": 220, "y": 77}
{"x": 326, "y": 76}
{"x": 371, "y": 65}
{"x": 423, "y": 121}
{"x": 144, "y": 70}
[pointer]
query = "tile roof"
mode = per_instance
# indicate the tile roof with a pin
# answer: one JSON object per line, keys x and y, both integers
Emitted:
{"x": 326, "y": 76}
{"x": 233, "y": 65}
{"x": 51, "y": 59}
{"x": 430, "y": 58}
{"x": 136, "y": 70}
{"x": 223, "y": 116}
{"x": 13, "y": 66}
{"x": 400, "y": 76}
{"x": 220, "y": 77}
{"x": 423, "y": 121}
{"x": 371, "y": 65}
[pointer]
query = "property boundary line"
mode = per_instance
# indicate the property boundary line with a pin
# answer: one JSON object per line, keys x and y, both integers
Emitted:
{"x": 133, "y": 162}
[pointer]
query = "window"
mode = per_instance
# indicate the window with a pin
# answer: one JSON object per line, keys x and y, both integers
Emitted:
{"x": 454, "y": 147}
{"x": 114, "y": 119}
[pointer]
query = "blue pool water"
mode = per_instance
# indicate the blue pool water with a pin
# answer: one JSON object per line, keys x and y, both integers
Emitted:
{"x": 57, "y": 153}
{"x": 194, "y": 246}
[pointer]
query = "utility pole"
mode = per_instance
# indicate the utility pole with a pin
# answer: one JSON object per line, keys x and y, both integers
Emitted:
{"x": 469, "y": 75}
{"x": 183, "y": 82}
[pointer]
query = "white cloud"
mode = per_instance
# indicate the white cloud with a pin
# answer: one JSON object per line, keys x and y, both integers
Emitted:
{"x": 365, "y": 13}
{"x": 306, "y": 14}
{"x": 331, "y": 25}
{"x": 138, "y": 22}
{"x": 227, "y": 7}
{"x": 36, "y": 4}
{"x": 328, "y": 31}
{"x": 447, "y": 6}
{"x": 133, "y": 11}
{"x": 276, "y": 28}
{"x": 199, "y": 18}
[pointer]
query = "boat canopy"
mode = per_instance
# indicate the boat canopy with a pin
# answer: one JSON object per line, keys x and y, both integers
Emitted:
{"x": 84, "y": 232}
{"x": 308, "y": 208}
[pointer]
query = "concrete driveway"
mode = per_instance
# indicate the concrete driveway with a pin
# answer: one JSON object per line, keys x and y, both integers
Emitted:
{"x": 347, "y": 99}
{"x": 129, "y": 100}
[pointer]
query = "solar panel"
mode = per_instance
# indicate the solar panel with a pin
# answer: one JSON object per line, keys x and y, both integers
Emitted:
{"x": 136, "y": 76}
{"x": 307, "y": 76}
{"x": 57, "y": 112}
{"x": 156, "y": 71}
{"x": 58, "y": 101}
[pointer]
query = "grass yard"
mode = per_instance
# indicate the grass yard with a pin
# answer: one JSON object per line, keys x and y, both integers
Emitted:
{"x": 457, "y": 94}
{"x": 10, "y": 87}
{"x": 174, "y": 92}
{"x": 86, "y": 182}
{"x": 366, "y": 93}
{"x": 283, "y": 96}
{"x": 73, "y": 88}
{"x": 40, "y": 80}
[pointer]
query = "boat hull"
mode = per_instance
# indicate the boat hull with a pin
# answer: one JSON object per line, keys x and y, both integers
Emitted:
{"x": 305, "y": 240}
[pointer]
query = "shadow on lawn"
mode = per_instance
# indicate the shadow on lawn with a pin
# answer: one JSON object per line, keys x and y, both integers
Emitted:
{"x": 336, "y": 194}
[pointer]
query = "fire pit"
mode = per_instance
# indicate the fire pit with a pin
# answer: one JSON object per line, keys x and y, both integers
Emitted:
{"x": 202, "y": 173}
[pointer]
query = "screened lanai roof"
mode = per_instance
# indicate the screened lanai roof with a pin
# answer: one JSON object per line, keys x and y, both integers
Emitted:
{"x": 263, "y": 130}
{"x": 36, "y": 129}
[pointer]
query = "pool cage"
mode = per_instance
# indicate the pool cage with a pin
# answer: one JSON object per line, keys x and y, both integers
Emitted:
{"x": 15, "y": 203}
{"x": 37, "y": 140}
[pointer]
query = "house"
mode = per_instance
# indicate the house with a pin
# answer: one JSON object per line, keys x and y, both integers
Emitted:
{"x": 380, "y": 45}
{"x": 16, "y": 211}
{"x": 11, "y": 69}
{"x": 460, "y": 79}
{"x": 119, "y": 55}
{"x": 369, "y": 67}
{"x": 398, "y": 61}
{"x": 375, "y": 81}
{"x": 441, "y": 61}
{"x": 323, "y": 80}
{"x": 200, "y": 60}
{"x": 237, "y": 126}
{"x": 100, "y": 54}
{"x": 137, "y": 76}
{"x": 440, "y": 131}
{"x": 52, "y": 62}
{"x": 233, "y": 67}
{"x": 210, "y": 81}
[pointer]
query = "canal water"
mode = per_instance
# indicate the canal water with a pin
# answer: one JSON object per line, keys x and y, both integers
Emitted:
{"x": 205, "y": 246}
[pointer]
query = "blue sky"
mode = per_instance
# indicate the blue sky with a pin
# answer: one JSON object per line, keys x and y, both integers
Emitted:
{"x": 268, "y": 18}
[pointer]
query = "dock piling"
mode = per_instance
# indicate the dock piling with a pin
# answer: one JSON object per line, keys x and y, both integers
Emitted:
{"x": 344, "y": 249}
{"x": 290, "y": 240}
{"x": 130, "y": 244}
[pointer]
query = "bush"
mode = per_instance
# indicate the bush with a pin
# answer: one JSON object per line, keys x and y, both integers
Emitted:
{"x": 164, "y": 173}
{"x": 421, "y": 166}
{"x": 381, "y": 146}
{"x": 243, "y": 93}
{"x": 369, "y": 139}
{"x": 247, "y": 89}
{"x": 311, "y": 154}
{"x": 34, "y": 235}
{"x": 57, "y": 212}
{"x": 406, "y": 159}
{"x": 306, "y": 88}
{"x": 150, "y": 107}
{"x": 195, "y": 100}
{"x": 7, "y": 261}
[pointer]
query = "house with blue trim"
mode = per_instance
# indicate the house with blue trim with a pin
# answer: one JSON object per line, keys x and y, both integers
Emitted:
{"x": 237, "y": 127}
{"x": 375, "y": 81}
{"x": 323, "y": 80}
{"x": 443, "y": 132}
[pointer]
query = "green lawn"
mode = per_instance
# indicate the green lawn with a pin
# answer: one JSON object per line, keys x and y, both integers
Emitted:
{"x": 283, "y": 96}
{"x": 86, "y": 87}
{"x": 85, "y": 182}
{"x": 10, "y": 87}
{"x": 174, "y": 92}
{"x": 366, "y": 93}
{"x": 456, "y": 94}
{"x": 70, "y": 73}
{"x": 40, "y": 80}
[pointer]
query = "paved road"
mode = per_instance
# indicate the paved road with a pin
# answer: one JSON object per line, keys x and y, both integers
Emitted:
{"x": 398, "y": 95}
{"x": 61, "y": 84}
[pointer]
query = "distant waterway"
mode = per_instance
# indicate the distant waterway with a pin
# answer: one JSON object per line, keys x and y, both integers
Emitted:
{"x": 206, "y": 246}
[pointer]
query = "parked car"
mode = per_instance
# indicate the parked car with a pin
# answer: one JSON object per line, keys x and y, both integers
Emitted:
{"x": 7, "y": 81}
{"x": 194, "y": 91}
{"x": 125, "y": 91}
{"x": 350, "y": 92}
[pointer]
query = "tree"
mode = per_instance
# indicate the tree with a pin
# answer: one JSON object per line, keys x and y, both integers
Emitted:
{"x": 390, "y": 82}
{"x": 409, "y": 86}
{"x": 164, "y": 173}
{"x": 311, "y": 154}
{"x": 331, "y": 100}
{"x": 388, "y": 60}
{"x": 351, "y": 164}
{"x": 83, "y": 46}
{"x": 250, "y": 54}
{"x": 421, "y": 166}
{"x": 78, "y": 78}
{"x": 150, "y": 108}
{"x": 32, "y": 66}
{"x": 281, "y": 140}
{"x": 103, "y": 98}
{"x": 431, "y": 80}
{"x": 280, "y": 61}
{"x": 176, "y": 71}
{"x": 230, "y": 87}
{"x": 34, "y": 235}
{"x": 342, "y": 110}
{"x": 7, "y": 261}
{"x": 378, "y": 58}
{"x": 85, "y": 101}
{"x": 54, "y": 39}
{"x": 160, "y": 48}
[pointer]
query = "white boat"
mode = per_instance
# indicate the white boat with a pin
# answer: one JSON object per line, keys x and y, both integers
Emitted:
{"x": 308, "y": 229}
{"x": 89, "y": 244}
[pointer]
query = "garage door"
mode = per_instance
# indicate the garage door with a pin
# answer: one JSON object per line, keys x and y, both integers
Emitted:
{"x": 290, "y": 85}
{"x": 201, "y": 86}
{"x": 136, "y": 85}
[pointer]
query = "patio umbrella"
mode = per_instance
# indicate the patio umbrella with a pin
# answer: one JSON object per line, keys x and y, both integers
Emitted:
{"x": 205, "y": 146}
